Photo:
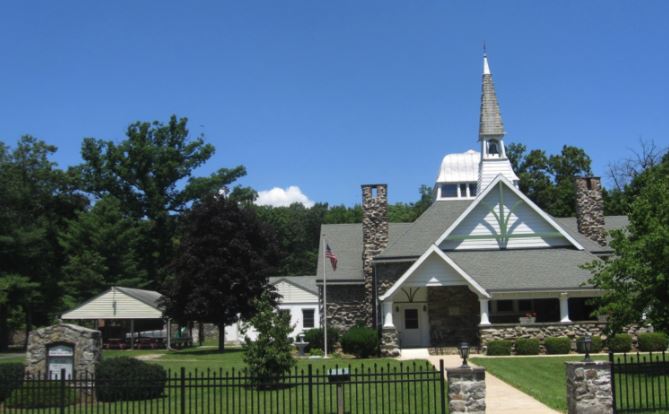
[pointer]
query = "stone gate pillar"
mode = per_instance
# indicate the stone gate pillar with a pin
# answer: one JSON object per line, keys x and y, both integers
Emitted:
{"x": 466, "y": 390}
{"x": 589, "y": 387}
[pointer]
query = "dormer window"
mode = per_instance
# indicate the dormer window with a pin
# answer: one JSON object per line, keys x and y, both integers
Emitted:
{"x": 449, "y": 191}
{"x": 457, "y": 190}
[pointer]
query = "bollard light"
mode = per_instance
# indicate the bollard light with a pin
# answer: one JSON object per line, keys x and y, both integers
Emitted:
{"x": 464, "y": 353}
{"x": 587, "y": 345}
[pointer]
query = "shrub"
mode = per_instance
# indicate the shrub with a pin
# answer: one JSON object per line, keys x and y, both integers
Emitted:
{"x": 128, "y": 379}
{"x": 42, "y": 394}
{"x": 655, "y": 341}
{"x": 361, "y": 341}
{"x": 527, "y": 346}
{"x": 315, "y": 338}
{"x": 561, "y": 345}
{"x": 499, "y": 347}
{"x": 270, "y": 356}
{"x": 597, "y": 345}
{"x": 11, "y": 377}
{"x": 620, "y": 343}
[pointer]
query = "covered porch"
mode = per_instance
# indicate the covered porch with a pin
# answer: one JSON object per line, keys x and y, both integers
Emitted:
{"x": 435, "y": 303}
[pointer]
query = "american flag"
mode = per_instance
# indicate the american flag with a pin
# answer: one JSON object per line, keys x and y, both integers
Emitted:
{"x": 330, "y": 255}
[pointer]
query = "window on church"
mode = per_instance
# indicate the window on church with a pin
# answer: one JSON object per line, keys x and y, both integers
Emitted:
{"x": 449, "y": 190}
{"x": 463, "y": 190}
{"x": 472, "y": 189}
{"x": 504, "y": 306}
{"x": 307, "y": 318}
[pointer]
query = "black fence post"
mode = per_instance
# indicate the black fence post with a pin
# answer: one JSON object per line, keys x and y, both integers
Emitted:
{"x": 613, "y": 381}
{"x": 62, "y": 391}
{"x": 443, "y": 388}
{"x": 183, "y": 390}
{"x": 311, "y": 391}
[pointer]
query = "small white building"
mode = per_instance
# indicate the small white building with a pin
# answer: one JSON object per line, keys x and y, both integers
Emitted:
{"x": 297, "y": 295}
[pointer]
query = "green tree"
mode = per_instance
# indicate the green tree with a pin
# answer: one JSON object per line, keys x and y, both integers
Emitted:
{"x": 36, "y": 199}
{"x": 101, "y": 247}
{"x": 549, "y": 180}
{"x": 269, "y": 356}
{"x": 222, "y": 264}
{"x": 636, "y": 279}
{"x": 151, "y": 174}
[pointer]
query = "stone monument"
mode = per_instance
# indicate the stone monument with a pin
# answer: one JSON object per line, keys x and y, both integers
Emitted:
{"x": 72, "y": 348}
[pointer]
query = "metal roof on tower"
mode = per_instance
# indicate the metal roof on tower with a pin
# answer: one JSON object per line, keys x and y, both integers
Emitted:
{"x": 491, "y": 119}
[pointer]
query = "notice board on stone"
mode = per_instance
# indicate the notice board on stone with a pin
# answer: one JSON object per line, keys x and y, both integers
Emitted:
{"x": 68, "y": 347}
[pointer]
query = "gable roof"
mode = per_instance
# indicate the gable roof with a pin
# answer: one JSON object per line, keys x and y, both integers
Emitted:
{"x": 501, "y": 180}
{"x": 422, "y": 233}
{"x": 307, "y": 283}
{"x": 119, "y": 303}
{"x": 148, "y": 297}
{"x": 610, "y": 223}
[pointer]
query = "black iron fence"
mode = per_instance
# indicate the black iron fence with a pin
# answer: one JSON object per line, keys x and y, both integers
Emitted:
{"x": 639, "y": 382}
{"x": 407, "y": 388}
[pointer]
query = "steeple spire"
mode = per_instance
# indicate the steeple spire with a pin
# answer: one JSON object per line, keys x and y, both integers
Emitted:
{"x": 490, "y": 124}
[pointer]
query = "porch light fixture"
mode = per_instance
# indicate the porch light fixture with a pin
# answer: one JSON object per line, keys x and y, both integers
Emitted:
{"x": 587, "y": 346}
{"x": 464, "y": 354}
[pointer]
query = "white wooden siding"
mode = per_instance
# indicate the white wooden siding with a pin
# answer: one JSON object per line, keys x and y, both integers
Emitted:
{"x": 233, "y": 332}
{"x": 523, "y": 220}
{"x": 103, "y": 307}
{"x": 293, "y": 294}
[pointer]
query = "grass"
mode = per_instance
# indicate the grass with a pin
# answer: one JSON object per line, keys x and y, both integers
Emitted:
{"x": 543, "y": 378}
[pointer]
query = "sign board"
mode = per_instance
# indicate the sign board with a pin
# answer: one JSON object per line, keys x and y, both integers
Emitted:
{"x": 60, "y": 357}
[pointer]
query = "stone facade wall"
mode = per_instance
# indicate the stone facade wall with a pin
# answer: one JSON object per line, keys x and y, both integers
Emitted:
{"x": 388, "y": 273}
{"x": 540, "y": 331}
{"x": 590, "y": 208}
{"x": 374, "y": 240}
{"x": 466, "y": 390}
{"x": 87, "y": 347}
{"x": 589, "y": 387}
{"x": 454, "y": 315}
{"x": 346, "y": 306}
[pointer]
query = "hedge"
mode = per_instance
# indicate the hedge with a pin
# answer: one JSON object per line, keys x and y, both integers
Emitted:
{"x": 499, "y": 347}
{"x": 596, "y": 346}
{"x": 560, "y": 345}
{"x": 527, "y": 346}
{"x": 315, "y": 338}
{"x": 42, "y": 394}
{"x": 11, "y": 377}
{"x": 620, "y": 343}
{"x": 128, "y": 379}
{"x": 652, "y": 341}
{"x": 361, "y": 341}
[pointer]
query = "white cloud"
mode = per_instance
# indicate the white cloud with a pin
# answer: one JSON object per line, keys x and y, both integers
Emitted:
{"x": 279, "y": 197}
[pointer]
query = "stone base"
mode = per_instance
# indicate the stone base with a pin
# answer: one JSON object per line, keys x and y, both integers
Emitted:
{"x": 466, "y": 390}
{"x": 589, "y": 387}
{"x": 390, "y": 342}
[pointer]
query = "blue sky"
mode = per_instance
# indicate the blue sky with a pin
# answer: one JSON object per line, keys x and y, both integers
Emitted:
{"x": 327, "y": 95}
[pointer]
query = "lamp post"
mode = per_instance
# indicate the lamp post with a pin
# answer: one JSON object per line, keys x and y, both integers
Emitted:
{"x": 587, "y": 345}
{"x": 464, "y": 354}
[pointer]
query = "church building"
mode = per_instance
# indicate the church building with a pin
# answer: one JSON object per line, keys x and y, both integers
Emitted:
{"x": 483, "y": 262}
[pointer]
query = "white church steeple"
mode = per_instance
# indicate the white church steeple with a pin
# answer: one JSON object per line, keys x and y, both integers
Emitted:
{"x": 491, "y": 135}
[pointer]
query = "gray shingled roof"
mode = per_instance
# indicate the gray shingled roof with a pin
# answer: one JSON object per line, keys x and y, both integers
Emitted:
{"x": 346, "y": 242}
{"x": 149, "y": 297}
{"x": 610, "y": 223}
{"x": 490, "y": 123}
{"x": 426, "y": 229}
{"x": 305, "y": 282}
{"x": 500, "y": 270}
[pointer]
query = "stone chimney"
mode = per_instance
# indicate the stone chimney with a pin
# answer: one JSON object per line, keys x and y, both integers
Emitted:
{"x": 590, "y": 208}
{"x": 374, "y": 238}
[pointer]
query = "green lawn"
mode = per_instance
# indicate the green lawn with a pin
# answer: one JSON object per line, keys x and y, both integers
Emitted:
{"x": 541, "y": 377}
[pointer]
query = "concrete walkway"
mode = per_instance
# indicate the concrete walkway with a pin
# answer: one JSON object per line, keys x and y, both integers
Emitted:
{"x": 501, "y": 398}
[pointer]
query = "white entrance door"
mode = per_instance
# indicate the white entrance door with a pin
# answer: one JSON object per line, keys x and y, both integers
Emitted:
{"x": 413, "y": 325}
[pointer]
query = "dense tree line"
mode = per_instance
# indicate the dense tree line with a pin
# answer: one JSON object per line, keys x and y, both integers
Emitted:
{"x": 132, "y": 213}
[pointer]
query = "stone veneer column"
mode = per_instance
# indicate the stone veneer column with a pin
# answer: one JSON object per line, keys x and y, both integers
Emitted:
{"x": 589, "y": 387}
{"x": 590, "y": 208}
{"x": 374, "y": 239}
{"x": 466, "y": 390}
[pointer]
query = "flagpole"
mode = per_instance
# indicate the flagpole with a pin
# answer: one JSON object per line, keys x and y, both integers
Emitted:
{"x": 325, "y": 304}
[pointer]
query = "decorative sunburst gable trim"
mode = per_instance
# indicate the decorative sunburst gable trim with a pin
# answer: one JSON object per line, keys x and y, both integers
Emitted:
{"x": 503, "y": 218}
{"x": 434, "y": 249}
